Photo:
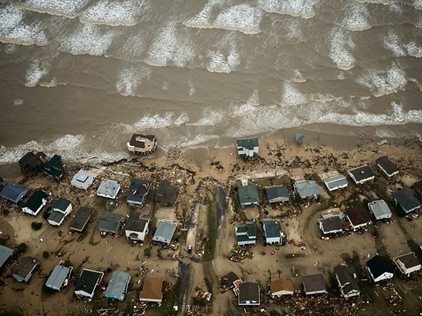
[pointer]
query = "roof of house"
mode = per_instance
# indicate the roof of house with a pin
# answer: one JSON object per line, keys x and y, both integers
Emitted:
{"x": 32, "y": 160}
{"x": 108, "y": 188}
{"x": 60, "y": 204}
{"x": 357, "y": 216}
{"x": 249, "y": 228}
{"x": 56, "y": 216}
{"x": 336, "y": 181}
{"x": 228, "y": 279}
{"x": 313, "y": 283}
{"x": 362, "y": 173}
{"x": 249, "y": 291}
{"x": 406, "y": 199}
{"x": 88, "y": 280}
{"x": 55, "y": 167}
{"x": 152, "y": 289}
{"x": 138, "y": 189}
{"x": 35, "y": 200}
{"x": 110, "y": 222}
{"x": 83, "y": 179}
{"x": 136, "y": 223}
{"x": 13, "y": 192}
{"x": 386, "y": 164}
{"x": 347, "y": 278}
{"x": 306, "y": 188}
{"x": 57, "y": 277}
{"x": 379, "y": 265}
{"x": 332, "y": 223}
{"x": 117, "y": 286}
{"x": 277, "y": 191}
{"x": 248, "y": 194}
{"x": 272, "y": 228}
{"x": 379, "y": 208}
{"x": 249, "y": 143}
{"x": 138, "y": 140}
{"x": 165, "y": 229}
{"x": 409, "y": 260}
{"x": 282, "y": 285}
{"x": 25, "y": 266}
{"x": 166, "y": 193}
{"x": 81, "y": 218}
{"x": 5, "y": 254}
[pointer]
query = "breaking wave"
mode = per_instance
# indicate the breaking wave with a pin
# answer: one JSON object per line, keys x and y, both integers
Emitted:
{"x": 356, "y": 18}
{"x": 69, "y": 9}
{"x": 129, "y": 79}
{"x": 340, "y": 49}
{"x": 297, "y": 8}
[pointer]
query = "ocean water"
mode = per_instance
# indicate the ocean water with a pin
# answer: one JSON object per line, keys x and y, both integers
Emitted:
{"x": 79, "y": 77}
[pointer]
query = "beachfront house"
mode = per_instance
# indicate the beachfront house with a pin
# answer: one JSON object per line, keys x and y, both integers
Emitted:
{"x": 32, "y": 162}
{"x": 6, "y": 255}
{"x": 166, "y": 194}
{"x": 165, "y": 231}
{"x": 379, "y": 269}
{"x": 387, "y": 167}
{"x": 418, "y": 189}
{"x": 152, "y": 290}
{"x": 83, "y": 179}
{"x": 306, "y": 189}
{"x": 23, "y": 271}
{"x": 335, "y": 182}
{"x": 59, "y": 277}
{"x": 136, "y": 228}
{"x": 55, "y": 168}
{"x": 142, "y": 144}
{"x": 277, "y": 194}
{"x": 60, "y": 209}
{"x": 227, "y": 280}
{"x": 248, "y": 294}
{"x": 110, "y": 223}
{"x": 35, "y": 203}
{"x": 347, "y": 281}
{"x": 246, "y": 234}
{"x": 361, "y": 174}
{"x": 331, "y": 225}
{"x": 405, "y": 201}
{"x": 247, "y": 148}
{"x": 13, "y": 192}
{"x": 248, "y": 195}
{"x": 358, "y": 217}
{"x": 272, "y": 231}
{"x": 314, "y": 284}
{"x": 380, "y": 209}
{"x": 87, "y": 283}
{"x": 280, "y": 287}
{"x": 82, "y": 217}
{"x": 118, "y": 285}
{"x": 138, "y": 190}
{"x": 108, "y": 189}
{"x": 407, "y": 263}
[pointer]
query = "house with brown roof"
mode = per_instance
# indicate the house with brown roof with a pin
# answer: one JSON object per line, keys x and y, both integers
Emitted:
{"x": 152, "y": 290}
{"x": 407, "y": 263}
{"x": 280, "y": 287}
{"x": 358, "y": 218}
{"x": 142, "y": 144}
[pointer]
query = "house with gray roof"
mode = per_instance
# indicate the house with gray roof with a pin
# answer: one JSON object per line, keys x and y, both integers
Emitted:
{"x": 277, "y": 194}
{"x": 82, "y": 217}
{"x": 110, "y": 223}
{"x": 248, "y": 195}
{"x": 13, "y": 192}
{"x": 405, "y": 201}
{"x": 138, "y": 190}
{"x": 87, "y": 283}
{"x": 35, "y": 203}
{"x": 361, "y": 174}
{"x": 108, "y": 189}
{"x": 24, "y": 269}
{"x": 248, "y": 294}
{"x": 136, "y": 227}
{"x": 247, "y": 148}
{"x": 6, "y": 254}
{"x": 314, "y": 284}
{"x": 387, "y": 167}
{"x": 166, "y": 194}
{"x": 59, "y": 277}
{"x": 272, "y": 231}
{"x": 336, "y": 182}
{"x": 331, "y": 225}
{"x": 165, "y": 231}
{"x": 246, "y": 234}
{"x": 118, "y": 285}
{"x": 306, "y": 189}
{"x": 60, "y": 209}
{"x": 347, "y": 280}
{"x": 380, "y": 209}
{"x": 83, "y": 179}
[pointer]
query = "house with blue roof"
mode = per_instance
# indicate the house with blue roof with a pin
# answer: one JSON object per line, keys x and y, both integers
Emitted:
{"x": 405, "y": 201}
{"x": 306, "y": 189}
{"x": 118, "y": 285}
{"x": 35, "y": 203}
{"x": 13, "y": 192}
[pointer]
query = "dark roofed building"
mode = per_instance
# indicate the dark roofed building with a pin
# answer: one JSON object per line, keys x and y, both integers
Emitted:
{"x": 331, "y": 225}
{"x": 272, "y": 231}
{"x": 142, "y": 144}
{"x": 138, "y": 190}
{"x": 81, "y": 218}
{"x": 405, "y": 200}
{"x": 110, "y": 223}
{"x": 408, "y": 263}
{"x": 87, "y": 283}
{"x": 249, "y": 294}
{"x": 24, "y": 269}
{"x": 246, "y": 234}
{"x": 32, "y": 162}
{"x": 347, "y": 281}
{"x": 13, "y": 192}
{"x": 166, "y": 194}
{"x": 35, "y": 203}
{"x": 361, "y": 174}
{"x": 276, "y": 194}
{"x": 247, "y": 147}
{"x": 5, "y": 255}
{"x": 418, "y": 189}
{"x": 379, "y": 269}
{"x": 357, "y": 217}
{"x": 55, "y": 168}
{"x": 314, "y": 284}
{"x": 248, "y": 195}
{"x": 136, "y": 228}
{"x": 387, "y": 167}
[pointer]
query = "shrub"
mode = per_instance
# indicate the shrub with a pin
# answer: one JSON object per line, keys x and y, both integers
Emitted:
{"x": 36, "y": 225}
{"x": 22, "y": 247}
{"x": 67, "y": 263}
{"x": 45, "y": 254}
{"x": 147, "y": 252}
{"x": 5, "y": 212}
{"x": 60, "y": 233}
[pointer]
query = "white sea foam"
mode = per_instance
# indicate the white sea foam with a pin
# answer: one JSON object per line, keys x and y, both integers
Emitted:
{"x": 9, "y": 48}
{"x": 221, "y": 62}
{"x": 356, "y": 18}
{"x": 292, "y": 96}
{"x": 194, "y": 140}
{"x": 113, "y": 13}
{"x": 49, "y": 84}
{"x": 10, "y": 17}
{"x": 393, "y": 44}
{"x": 202, "y": 19}
{"x": 241, "y": 17}
{"x": 210, "y": 117}
{"x": 384, "y": 82}
{"x": 88, "y": 39}
{"x": 417, "y": 4}
{"x": 303, "y": 8}
{"x": 181, "y": 119}
{"x": 297, "y": 76}
{"x": 395, "y": 6}
{"x": 129, "y": 79}
{"x": 67, "y": 8}
{"x": 18, "y": 102}
{"x": 155, "y": 121}
{"x": 170, "y": 46}
{"x": 340, "y": 49}
{"x": 413, "y": 49}
{"x": 66, "y": 142}
{"x": 384, "y": 2}
{"x": 36, "y": 71}
{"x": 246, "y": 108}
{"x": 192, "y": 89}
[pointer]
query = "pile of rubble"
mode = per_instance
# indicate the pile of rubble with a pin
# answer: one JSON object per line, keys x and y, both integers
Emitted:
{"x": 239, "y": 253}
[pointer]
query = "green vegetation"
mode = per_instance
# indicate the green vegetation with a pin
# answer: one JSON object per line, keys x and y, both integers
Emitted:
{"x": 22, "y": 247}
{"x": 5, "y": 212}
{"x": 147, "y": 252}
{"x": 45, "y": 254}
{"x": 36, "y": 225}
{"x": 46, "y": 213}
{"x": 60, "y": 233}
{"x": 210, "y": 242}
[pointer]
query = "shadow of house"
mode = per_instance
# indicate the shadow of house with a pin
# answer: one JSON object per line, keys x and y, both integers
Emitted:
{"x": 166, "y": 194}
{"x": 32, "y": 162}
{"x": 13, "y": 192}
{"x": 24, "y": 269}
{"x": 55, "y": 168}
{"x": 118, "y": 285}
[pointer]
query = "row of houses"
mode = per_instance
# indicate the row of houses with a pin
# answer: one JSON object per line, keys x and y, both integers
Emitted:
{"x": 247, "y": 234}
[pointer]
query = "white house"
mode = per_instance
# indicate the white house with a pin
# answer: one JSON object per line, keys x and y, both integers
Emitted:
{"x": 136, "y": 228}
{"x": 335, "y": 182}
{"x": 247, "y": 147}
{"x": 61, "y": 208}
{"x": 83, "y": 179}
{"x": 35, "y": 203}
{"x": 379, "y": 269}
{"x": 272, "y": 231}
{"x": 347, "y": 281}
{"x": 407, "y": 263}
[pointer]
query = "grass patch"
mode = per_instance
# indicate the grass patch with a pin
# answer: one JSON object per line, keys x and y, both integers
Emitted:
{"x": 210, "y": 243}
